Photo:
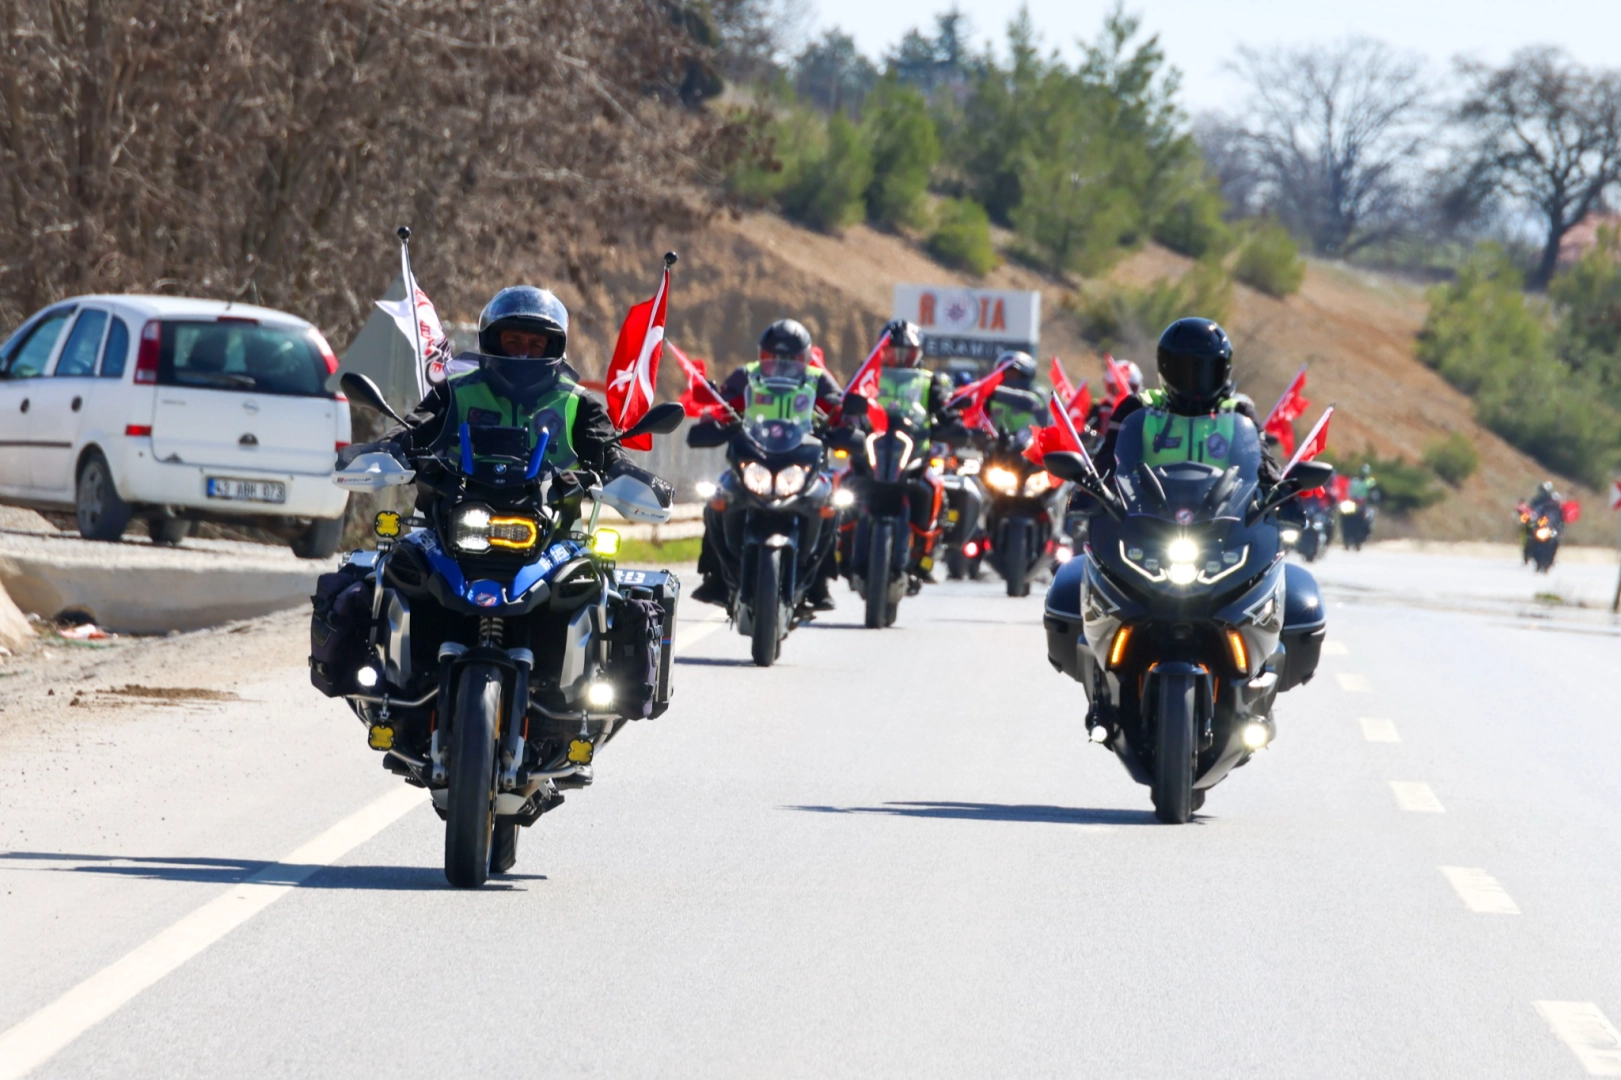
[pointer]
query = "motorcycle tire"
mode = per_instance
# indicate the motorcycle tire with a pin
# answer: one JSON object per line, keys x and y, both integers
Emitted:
{"x": 956, "y": 563}
{"x": 470, "y": 810}
{"x": 1174, "y": 748}
{"x": 1016, "y": 562}
{"x": 880, "y": 540}
{"x": 503, "y": 845}
{"x": 765, "y": 644}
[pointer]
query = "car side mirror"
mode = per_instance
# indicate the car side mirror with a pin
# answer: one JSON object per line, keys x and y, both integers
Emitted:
{"x": 361, "y": 389}
{"x": 660, "y": 420}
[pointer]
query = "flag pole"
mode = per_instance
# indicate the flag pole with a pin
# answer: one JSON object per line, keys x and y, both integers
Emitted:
{"x": 418, "y": 368}
{"x": 1062, "y": 413}
{"x": 1310, "y": 438}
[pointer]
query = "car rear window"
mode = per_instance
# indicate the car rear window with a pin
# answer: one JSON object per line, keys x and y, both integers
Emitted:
{"x": 241, "y": 356}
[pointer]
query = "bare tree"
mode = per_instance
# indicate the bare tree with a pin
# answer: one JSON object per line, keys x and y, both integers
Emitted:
{"x": 264, "y": 149}
{"x": 1547, "y": 132}
{"x": 1334, "y": 133}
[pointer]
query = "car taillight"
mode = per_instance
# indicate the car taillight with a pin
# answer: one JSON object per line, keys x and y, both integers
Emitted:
{"x": 328, "y": 356}
{"x": 146, "y": 357}
{"x": 138, "y": 430}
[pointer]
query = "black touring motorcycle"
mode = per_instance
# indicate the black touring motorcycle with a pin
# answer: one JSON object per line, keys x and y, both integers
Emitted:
{"x": 770, "y": 523}
{"x": 490, "y": 645}
{"x": 1018, "y": 521}
{"x": 1182, "y": 621}
{"x": 881, "y": 473}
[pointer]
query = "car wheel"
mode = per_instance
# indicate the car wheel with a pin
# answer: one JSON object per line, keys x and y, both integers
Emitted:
{"x": 320, "y": 540}
{"x": 168, "y": 531}
{"x": 102, "y": 513}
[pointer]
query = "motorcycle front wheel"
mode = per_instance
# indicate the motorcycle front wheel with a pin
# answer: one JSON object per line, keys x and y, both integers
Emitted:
{"x": 767, "y": 607}
{"x": 1016, "y": 560}
{"x": 879, "y": 543}
{"x": 470, "y": 814}
{"x": 1173, "y": 749}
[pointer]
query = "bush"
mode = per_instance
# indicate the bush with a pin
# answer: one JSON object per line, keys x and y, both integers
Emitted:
{"x": 1193, "y": 224}
{"x": 1484, "y": 339}
{"x": 826, "y": 190}
{"x": 962, "y": 237}
{"x": 1128, "y": 317}
{"x": 1452, "y": 458}
{"x": 904, "y": 151}
{"x": 1270, "y": 261}
{"x": 1404, "y": 487}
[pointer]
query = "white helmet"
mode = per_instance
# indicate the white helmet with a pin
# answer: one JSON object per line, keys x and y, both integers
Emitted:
{"x": 1134, "y": 376}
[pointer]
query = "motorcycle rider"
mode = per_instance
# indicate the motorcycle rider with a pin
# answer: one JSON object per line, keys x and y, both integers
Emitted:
{"x": 922, "y": 396}
{"x": 522, "y": 379}
{"x": 1548, "y": 501}
{"x": 1097, "y": 418}
{"x": 783, "y": 384}
{"x": 1018, "y": 373}
{"x": 1195, "y": 360}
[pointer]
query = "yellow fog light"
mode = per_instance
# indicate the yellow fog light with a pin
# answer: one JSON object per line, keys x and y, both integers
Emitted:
{"x": 386, "y": 524}
{"x": 605, "y": 543}
{"x": 381, "y": 737}
{"x": 579, "y": 752}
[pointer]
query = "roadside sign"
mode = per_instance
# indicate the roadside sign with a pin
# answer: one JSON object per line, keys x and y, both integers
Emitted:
{"x": 1615, "y": 494}
{"x": 972, "y": 323}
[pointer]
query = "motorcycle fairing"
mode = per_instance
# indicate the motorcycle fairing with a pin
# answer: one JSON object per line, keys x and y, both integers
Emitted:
{"x": 483, "y": 596}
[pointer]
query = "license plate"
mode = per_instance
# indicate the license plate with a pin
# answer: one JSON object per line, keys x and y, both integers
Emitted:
{"x": 267, "y": 491}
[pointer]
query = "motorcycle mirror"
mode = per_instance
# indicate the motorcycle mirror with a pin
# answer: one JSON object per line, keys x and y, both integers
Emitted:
{"x": 706, "y": 435}
{"x": 1307, "y": 475}
{"x": 1067, "y": 465}
{"x": 660, "y": 420}
{"x": 360, "y": 388}
{"x": 855, "y": 405}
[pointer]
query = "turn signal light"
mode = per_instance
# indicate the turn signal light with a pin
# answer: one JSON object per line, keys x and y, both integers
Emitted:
{"x": 138, "y": 431}
{"x": 1241, "y": 653}
{"x": 1117, "y": 650}
{"x": 515, "y": 533}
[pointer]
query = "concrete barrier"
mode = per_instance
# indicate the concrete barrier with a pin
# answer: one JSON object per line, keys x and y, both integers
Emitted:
{"x": 137, "y": 587}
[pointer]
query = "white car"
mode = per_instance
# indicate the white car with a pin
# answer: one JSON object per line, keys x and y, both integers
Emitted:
{"x": 173, "y": 410}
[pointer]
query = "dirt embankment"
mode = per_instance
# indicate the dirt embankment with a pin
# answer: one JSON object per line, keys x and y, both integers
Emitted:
{"x": 1355, "y": 329}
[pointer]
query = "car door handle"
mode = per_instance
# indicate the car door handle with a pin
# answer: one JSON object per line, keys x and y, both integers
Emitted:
{"x": 250, "y": 439}
{"x": 25, "y": 405}
{"x": 77, "y": 402}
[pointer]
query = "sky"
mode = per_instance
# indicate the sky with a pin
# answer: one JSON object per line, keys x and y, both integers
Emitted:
{"x": 1200, "y": 36}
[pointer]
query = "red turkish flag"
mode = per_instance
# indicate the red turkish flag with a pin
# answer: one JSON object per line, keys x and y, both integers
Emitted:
{"x": 1121, "y": 379}
{"x": 634, "y": 370}
{"x": 1280, "y": 421}
{"x": 1571, "y": 509}
{"x": 1316, "y": 442}
{"x": 1062, "y": 387}
{"x": 1080, "y": 403}
{"x": 700, "y": 399}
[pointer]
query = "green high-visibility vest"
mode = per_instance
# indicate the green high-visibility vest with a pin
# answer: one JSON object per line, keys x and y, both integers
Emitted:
{"x": 906, "y": 387}
{"x": 1009, "y": 417}
{"x": 1169, "y": 437}
{"x": 778, "y": 399}
{"x": 477, "y": 404}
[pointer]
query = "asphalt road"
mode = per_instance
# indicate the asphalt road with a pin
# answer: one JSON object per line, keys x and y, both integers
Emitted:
{"x": 895, "y": 854}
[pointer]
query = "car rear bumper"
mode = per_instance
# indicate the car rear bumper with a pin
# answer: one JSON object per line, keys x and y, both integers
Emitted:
{"x": 184, "y": 487}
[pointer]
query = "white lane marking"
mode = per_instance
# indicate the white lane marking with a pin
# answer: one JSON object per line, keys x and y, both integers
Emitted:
{"x": 1354, "y": 684}
{"x": 1377, "y": 730}
{"x": 1416, "y": 796}
{"x": 33, "y": 1041}
{"x": 1588, "y": 1032}
{"x": 1335, "y": 648}
{"x": 693, "y": 633}
{"x": 1479, "y": 891}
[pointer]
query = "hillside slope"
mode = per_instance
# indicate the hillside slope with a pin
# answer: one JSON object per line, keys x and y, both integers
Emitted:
{"x": 1355, "y": 329}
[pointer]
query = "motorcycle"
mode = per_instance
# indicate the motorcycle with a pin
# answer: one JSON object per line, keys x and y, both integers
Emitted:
{"x": 964, "y": 541}
{"x": 1018, "y": 522}
{"x": 880, "y": 542}
{"x": 490, "y": 644}
{"x": 771, "y": 522}
{"x": 1356, "y": 515}
{"x": 1309, "y": 532}
{"x": 1182, "y": 621}
{"x": 1542, "y": 530}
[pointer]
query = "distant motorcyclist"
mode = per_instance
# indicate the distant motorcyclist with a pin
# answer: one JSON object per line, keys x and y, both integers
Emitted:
{"x": 1547, "y": 500}
{"x": 1097, "y": 418}
{"x": 783, "y": 384}
{"x": 521, "y": 379}
{"x": 1364, "y": 486}
{"x": 1195, "y": 361}
{"x": 1018, "y": 373}
{"x": 922, "y": 396}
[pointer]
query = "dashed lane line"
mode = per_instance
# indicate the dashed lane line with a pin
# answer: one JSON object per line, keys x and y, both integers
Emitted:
{"x": 1583, "y": 1027}
{"x": 1354, "y": 684}
{"x": 1334, "y": 648}
{"x": 1377, "y": 730}
{"x": 694, "y": 632}
{"x": 1416, "y": 797}
{"x": 30, "y": 1043}
{"x": 1479, "y": 891}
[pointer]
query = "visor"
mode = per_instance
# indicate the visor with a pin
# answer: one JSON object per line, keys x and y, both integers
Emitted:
{"x": 1199, "y": 378}
{"x": 783, "y": 367}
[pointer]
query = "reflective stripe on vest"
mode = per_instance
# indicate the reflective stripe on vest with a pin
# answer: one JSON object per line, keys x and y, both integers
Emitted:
{"x": 776, "y": 399}
{"x": 905, "y": 387}
{"x": 478, "y": 405}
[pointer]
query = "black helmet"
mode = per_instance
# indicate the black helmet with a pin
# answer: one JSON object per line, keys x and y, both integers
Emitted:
{"x": 785, "y": 338}
{"x": 526, "y": 308}
{"x": 1195, "y": 364}
{"x": 1018, "y": 369}
{"x": 903, "y": 343}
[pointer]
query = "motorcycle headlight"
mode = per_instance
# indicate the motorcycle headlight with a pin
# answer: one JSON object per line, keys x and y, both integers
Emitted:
{"x": 791, "y": 481}
{"x": 474, "y": 529}
{"x": 1004, "y": 480}
{"x": 1037, "y": 485}
{"x": 1348, "y": 507}
{"x": 1288, "y": 536}
{"x": 1544, "y": 532}
{"x": 844, "y": 498}
{"x": 757, "y": 478}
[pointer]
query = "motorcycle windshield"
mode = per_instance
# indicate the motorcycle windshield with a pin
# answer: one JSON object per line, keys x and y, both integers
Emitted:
{"x": 1187, "y": 469}
{"x": 778, "y": 436}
